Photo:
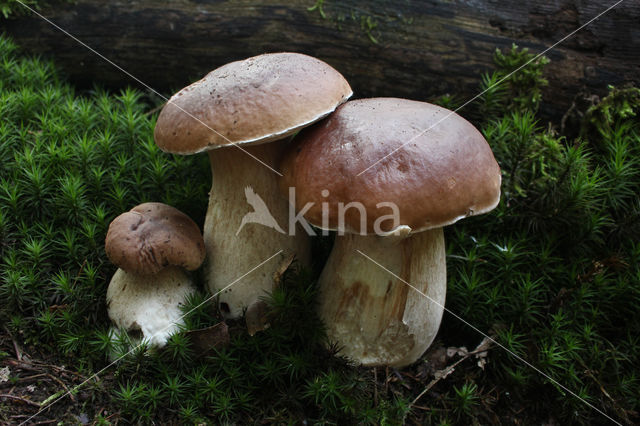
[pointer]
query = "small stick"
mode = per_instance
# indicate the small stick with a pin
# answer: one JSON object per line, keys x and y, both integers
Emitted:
{"x": 35, "y": 376}
{"x": 84, "y": 262}
{"x": 16, "y": 348}
{"x": 61, "y": 383}
{"x": 114, "y": 414}
{"x": 397, "y": 373}
{"x": 59, "y": 369}
{"x": 399, "y": 376}
{"x": 21, "y": 365}
{"x": 420, "y": 407}
{"x": 375, "y": 387}
{"x": 38, "y": 366}
{"x": 156, "y": 109}
{"x": 482, "y": 347}
{"x": 25, "y": 379}
{"x": 19, "y": 398}
{"x": 386, "y": 381}
{"x": 432, "y": 383}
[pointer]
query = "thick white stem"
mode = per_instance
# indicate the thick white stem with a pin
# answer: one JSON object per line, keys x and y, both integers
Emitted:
{"x": 375, "y": 318}
{"x": 231, "y": 254}
{"x": 149, "y": 304}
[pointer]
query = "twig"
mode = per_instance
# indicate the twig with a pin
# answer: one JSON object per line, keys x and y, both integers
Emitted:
{"x": 35, "y": 376}
{"x": 39, "y": 366}
{"x": 19, "y": 398}
{"x": 16, "y": 348}
{"x": 61, "y": 383}
{"x": 99, "y": 413}
{"x": 420, "y": 407}
{"x": 386, "y": 380}
{"x": 117, "y": 413}
{"x": 375, "y": 387}
{"x": 482, "y": 347}
{"x": 84, "y": 262}
{"x": 59, "y": 369}
{"x": 156, "y": 109}
{"x": 21, "y": 365}
{"x": 621, "y": 412}
{"x": 397, "y": 373}
{"x": 433, "y": 382}
{"x": 400, "y": 377}
{"x": 25, "y": 379}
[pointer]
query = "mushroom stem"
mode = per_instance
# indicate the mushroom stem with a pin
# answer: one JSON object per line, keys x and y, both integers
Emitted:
{"x": 374, "y": 317}
{"x": 235, "y": 243}
{"x": 149, "y": 303}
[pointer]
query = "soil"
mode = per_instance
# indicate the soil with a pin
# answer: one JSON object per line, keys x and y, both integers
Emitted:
{"x": 28, "y": 377}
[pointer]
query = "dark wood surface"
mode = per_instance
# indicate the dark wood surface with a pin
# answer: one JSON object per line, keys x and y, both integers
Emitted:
{"x": 412, "y": 49}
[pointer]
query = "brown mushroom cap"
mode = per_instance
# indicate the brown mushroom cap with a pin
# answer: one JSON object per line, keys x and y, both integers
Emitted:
{"x": 154, "y": 235}
{"x": 257, "y": 100}
{"x": 439, "y": 177}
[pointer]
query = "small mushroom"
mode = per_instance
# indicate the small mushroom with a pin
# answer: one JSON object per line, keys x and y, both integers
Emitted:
{"x": 152, "y": 245}
{"x": 242, "y": 113}
{"x": 372, "y": 173}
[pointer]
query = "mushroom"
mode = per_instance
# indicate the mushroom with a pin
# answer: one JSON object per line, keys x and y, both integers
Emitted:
{"x": 241, "y": 113}
{"x": 152, "y": 245}
{"x": 372, "y": 172}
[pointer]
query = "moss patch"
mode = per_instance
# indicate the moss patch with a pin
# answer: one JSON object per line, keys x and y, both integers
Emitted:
{"x": 552, "y": 273}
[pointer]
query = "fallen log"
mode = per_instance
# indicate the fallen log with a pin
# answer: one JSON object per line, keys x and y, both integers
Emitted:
{"x": 412, "y": 49}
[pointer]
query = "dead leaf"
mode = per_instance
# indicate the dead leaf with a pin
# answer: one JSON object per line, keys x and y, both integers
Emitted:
{"x": 441, "y": 374}
{"x": 205, "y": 340}
{"x": 257, "y": 317}
{"x": 277, "y": 275}
{"x": 461, "y": 351}
{"x": 482, "y": 362}
{"x": 437, "y": 358}
{"x": 484, "y": 345}
{"x": 4, "y": 374}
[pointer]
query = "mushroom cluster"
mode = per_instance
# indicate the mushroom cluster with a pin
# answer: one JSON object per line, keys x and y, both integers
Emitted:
{"x": 152, "y": 245}
{"x": 386, "y": 174}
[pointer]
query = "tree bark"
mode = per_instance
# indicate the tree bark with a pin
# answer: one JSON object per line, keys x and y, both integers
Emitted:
{"x": 413, "y": 49}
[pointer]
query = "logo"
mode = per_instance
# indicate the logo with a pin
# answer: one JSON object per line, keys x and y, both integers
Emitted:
{"x": 262, "y": 216}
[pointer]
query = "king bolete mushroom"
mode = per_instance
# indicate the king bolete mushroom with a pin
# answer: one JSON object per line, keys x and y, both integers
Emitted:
{"x": 372, "y": 173}
{"x": 152, "y": 245}
{"x": 240, "y": 113}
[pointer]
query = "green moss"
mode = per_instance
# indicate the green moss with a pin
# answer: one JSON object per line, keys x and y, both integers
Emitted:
{"x": 616, "y": 112}
{"x": 552, "y": 273}
{"x": 553, "y": 270}
{"x": 72, "y": 163}
{"x": 10, "y": 8}
{"x": 367, "y": 19}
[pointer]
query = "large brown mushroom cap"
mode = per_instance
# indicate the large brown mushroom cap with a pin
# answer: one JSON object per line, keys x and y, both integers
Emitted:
{"x": 257, "y": 100}
{"x": 439, "y": 177}
{"x": 151, "y": 236}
